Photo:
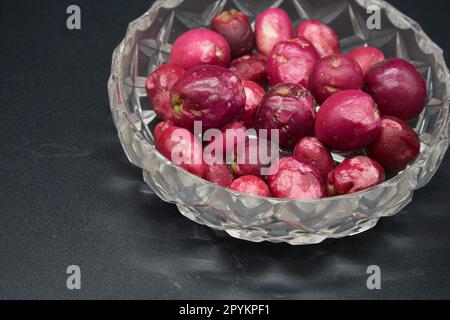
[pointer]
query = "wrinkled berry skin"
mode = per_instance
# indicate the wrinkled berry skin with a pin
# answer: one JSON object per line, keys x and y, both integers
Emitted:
{"x": 291, "y": 62}
{"x": 288, "y": 108}
{"x": 198, "y": 47}
{"x": 396, "y": 145}
{"x": 158, "y": 87}
{"x": 252, "y": 185}
{"x": 296, "y": 181}
{"x": 398, "y": 89}
{"x": 353, "y": 175}
{"x": 324, "y": 38}
{"x": 186, "y": 148}
{"x": 160, "y": 128}
{"x": 210, "y": 94}
{"x": 333, "y": 74}
{"x": 219, "y": 174}
{"x": 254, "y": 94}
{"x": 348, "y": 121}
{"x": 272, "y": 26}
{"x": 311, "y": 151}
{"x": 251, "y": 67}
{"x": 235, "y": 27}
{"x": 367, "y": 57}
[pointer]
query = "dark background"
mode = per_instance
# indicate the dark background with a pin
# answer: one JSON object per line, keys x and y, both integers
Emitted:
{"x": 69, "y": 196}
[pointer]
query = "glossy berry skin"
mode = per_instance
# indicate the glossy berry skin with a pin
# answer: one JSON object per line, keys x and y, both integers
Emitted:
{"x": 398, "y": 88}
{"x": 296, "y": 181}
{"x": 353, "y": 175}
{"x": 333, "y": 74}
{"x": 198, "y": 47}
{"x": 254, "y": 94}
{"x": 235, "y": 27}
{"x": 348, "y": 121}
{"x": 160, "y": 128}
{"x": 291, "y": 62}
{"x": 324, "y": 38}
{"x": 367, "y": 57}
{"x": 396, "y": 145}
{"x": 288, "y": 108}
{"x": 252, "y": 185}
{"x": 210, "y": 94}
{"x": 219, "y": 174}
{"x": 272, "y": 26}
{"x": 250, "y": 67}
{"x": 311, "y": 151}
{"x": 182, "y": 148}
{"x": 158, "y": 87}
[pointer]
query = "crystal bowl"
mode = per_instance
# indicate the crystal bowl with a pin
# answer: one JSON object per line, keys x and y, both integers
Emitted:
{"x": 147, "y": 45}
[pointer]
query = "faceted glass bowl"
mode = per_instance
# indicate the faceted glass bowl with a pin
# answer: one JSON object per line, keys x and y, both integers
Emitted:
{"x": 147, "y": 45}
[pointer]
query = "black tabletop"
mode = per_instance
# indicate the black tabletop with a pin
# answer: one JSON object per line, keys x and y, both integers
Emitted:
{"x": 70, "y": 197}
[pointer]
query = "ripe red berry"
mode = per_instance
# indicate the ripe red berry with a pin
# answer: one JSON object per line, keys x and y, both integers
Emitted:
{"x": 158, "y": 87}
{"x": 367, "y": 57}
{"x": 251, "y": 185}
{"x": 398, "y": 88}
{"x": 254, "y": 94}
{"x": 311, "y": 151}
{"x": 160, "y": 128}
{"x": 291, "y": 62}
{"x": 396, "y": 145}
{"x": 210, "y": 94}
{"x": 353, "y": 175}
{"x": 272, "y": 26}
{"x": 250, "y": 67}
{"x": 235, "y": 26}
{"x": 198, "y": 47}
{"x": 333, "y": 74}
{"x": 288, "y": 108}
{"x": 324, "y": 38}
{"x": 296, "y": 181}
{"x": 182, "y": 148}
{"x": 348, "y": 121}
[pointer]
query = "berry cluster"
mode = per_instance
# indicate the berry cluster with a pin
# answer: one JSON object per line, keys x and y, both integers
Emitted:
{"x": 233, "y": 78}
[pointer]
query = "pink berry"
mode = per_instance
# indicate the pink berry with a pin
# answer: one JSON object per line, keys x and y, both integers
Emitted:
{"x": 200, "y": 46}
{"x": 288, "y": 108}
{"x": 324, "y": 38}
{"x": 181, "y": 147}
{"x": 296, "y": 181}
{"x": 210, "y": 94}
{"x": 348, "y": 121}
{"x": 254, "y": 94}
{"x": 396, "y": 145}
{"x": 311, "y": 151}
{"x": 353, "y": 175}
{"x": 252, "y": 185}
{"x": 219, "y": 174}
{"x": 160, "y": 128}
{"x": 250, "y": 67}
{"x": 333, "y": 74}
{"x": 235, "y": 27}
{"x": 366, "y": 57}
{"x": 158, "y": 87}
{"x": 291, "y": 62}
{"x": 272, "y": 26}
{"x": 398, "y": 88}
